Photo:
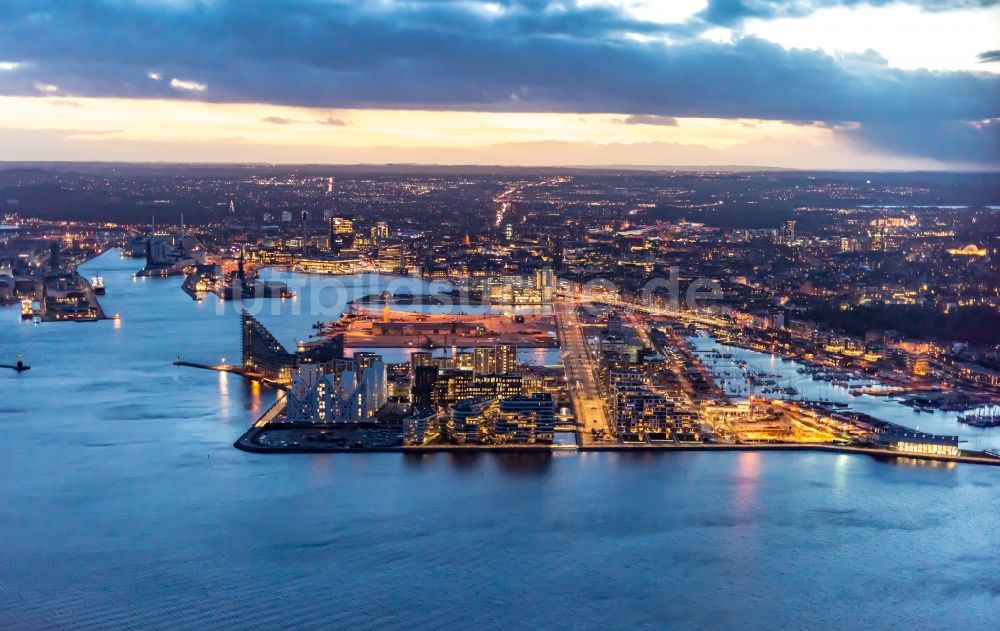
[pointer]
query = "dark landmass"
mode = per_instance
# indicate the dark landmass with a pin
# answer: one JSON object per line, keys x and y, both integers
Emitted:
{"x": 723, "y": 197}
{"x": 974, "y": 325}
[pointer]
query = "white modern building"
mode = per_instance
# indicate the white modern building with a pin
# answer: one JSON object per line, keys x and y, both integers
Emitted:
{"x": 349, "y": 394}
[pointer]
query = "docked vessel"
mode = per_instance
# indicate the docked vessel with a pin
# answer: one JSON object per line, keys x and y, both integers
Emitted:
{"x": 97, "y": 282}
{"x": 983, "y": 417}
{"x": 27, "y": 311}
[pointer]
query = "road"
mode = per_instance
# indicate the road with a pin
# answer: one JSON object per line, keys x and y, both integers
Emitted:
{"x": 504, "y": 199}
{"x": 581, "y": 375}
{"x": 690, "y": 317}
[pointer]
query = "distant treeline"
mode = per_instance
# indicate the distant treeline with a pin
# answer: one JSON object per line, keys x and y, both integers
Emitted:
{"x": 975, "y": 325}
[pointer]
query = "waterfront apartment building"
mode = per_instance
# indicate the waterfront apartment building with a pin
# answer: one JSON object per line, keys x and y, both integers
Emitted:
{"x": 639, "y": 411}
{"x": 545, "y": 282}
{"x": 341, "y": 392}
{"x": 506, "y": 358}
{"x": 539, "y": 408}
{"x": 422, "y": 426}
{"x": 454, "y": 385}
{"x": 264, "y": 356}
{"x": 468, "y": 421}
{"x": 515, "y": 420}
{"x": 481, "y": 360}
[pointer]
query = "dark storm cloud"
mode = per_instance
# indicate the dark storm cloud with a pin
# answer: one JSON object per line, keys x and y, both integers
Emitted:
{"x": 734, "y": 12}
{"x": 958, "y": 141}
{"x": 531, "y": 55}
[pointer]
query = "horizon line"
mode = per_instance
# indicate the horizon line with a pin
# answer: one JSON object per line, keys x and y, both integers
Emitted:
{"x": 732, "y": 168}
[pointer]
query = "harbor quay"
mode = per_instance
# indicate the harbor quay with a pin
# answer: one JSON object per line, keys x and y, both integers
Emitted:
{"x": 285, "y": 440}
{"x": 627, "y": 384}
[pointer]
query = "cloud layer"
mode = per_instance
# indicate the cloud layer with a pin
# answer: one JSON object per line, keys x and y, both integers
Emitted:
{"x": 507, "y": 55}
{"x": 735, "y": 12}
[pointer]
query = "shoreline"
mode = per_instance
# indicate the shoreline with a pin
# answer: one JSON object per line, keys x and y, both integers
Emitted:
{"x": 245, "y": 443}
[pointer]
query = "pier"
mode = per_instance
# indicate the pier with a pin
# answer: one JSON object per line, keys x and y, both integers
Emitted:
{"x": 234, "y": 369}
{"x": 216, "y": 367}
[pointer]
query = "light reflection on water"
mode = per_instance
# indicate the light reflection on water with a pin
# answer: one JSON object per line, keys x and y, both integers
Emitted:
{"x": 125, "y": 505}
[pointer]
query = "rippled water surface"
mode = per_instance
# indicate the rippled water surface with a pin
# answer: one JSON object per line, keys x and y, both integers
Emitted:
{"x": 124, "y": 505}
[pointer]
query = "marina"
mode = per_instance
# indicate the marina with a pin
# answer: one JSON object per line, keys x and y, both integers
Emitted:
{"x": 983, "y": 417}
{"x": 872, "y": 399}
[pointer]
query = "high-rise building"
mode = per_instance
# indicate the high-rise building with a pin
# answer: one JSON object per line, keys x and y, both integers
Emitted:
{"x": 788, "y": 232}
{"x": 484, "y": 360}
{"x": 545, "y": 282}
{"x": 424, "y": 378}
{"x": 421, "y": 358}
{"x": 380, "y": 232}
{"x": 487, "y": 360}
{"x": 464, "y": 360}
{"x": 341, "y": 233}
{"x": 506, "y": 358}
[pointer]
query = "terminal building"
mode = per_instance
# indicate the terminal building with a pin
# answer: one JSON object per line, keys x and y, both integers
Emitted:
{"x": 885, "y": 435}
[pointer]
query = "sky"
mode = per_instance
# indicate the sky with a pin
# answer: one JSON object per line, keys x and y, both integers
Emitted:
{"x": 820, "y": 84}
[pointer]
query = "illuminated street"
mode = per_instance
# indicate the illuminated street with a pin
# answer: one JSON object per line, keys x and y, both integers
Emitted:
{"x": 588, "y": 406}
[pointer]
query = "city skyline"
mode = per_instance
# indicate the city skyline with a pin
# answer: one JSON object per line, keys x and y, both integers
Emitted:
{"x": 820, "y": 85}
{"x": 421, "y": 314}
